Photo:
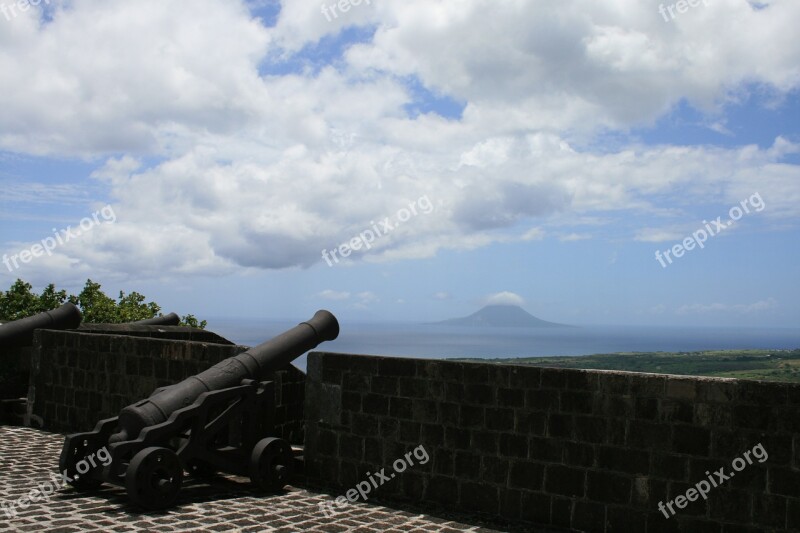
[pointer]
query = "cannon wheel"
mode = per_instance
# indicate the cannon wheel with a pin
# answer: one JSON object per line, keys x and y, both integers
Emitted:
{"x": 79, "y": 449}
{"x": 200, "y": 469}
{"x": 271, "y": 464}
{"x": 153, "y": 478}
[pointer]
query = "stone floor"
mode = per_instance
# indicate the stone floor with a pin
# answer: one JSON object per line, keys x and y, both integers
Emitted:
{"x": 29, "y": 457}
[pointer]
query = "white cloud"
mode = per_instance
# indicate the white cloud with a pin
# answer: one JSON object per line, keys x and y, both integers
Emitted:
{"x": 442, "y": 295}
{"x": 762, "y": 305}
{"x": 504, "y": 298}
{"x": 214, "y": 167}
{"x": 329, "y": 294}
{"x": 571, "y": 237}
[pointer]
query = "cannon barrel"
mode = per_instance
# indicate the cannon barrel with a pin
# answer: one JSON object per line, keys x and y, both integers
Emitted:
{"x": 253, "y": 364}
{"x": 166, "y": 320}
{"x": 20, "y": 332}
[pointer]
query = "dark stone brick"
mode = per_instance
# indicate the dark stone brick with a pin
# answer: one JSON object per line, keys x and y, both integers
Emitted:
{"x": 412, "y": 387}
{"x": 494, "y": 470}
{"x": 351, "y": 401}
{"x": 456, "y": 438}
{"x": 479, "y": 497}
{"x": 512, "y": 445}
{"x": 576, "y": 402}
{"x": 467, "y": 465}
{"x": 623, "y": 460}
{"x": 528, "y": 377}
{"x": 432, "y": 435}
{"x": 729, "y": 505}
{"x": 565, "y": 481}
{"x": 578, "y": 454}
{"x": 410, "y": 431}
{"x": 561, "y": 512}
{"x": 769, "y": 510}
{"x": 560, "y": 425}
{"x": 671, "y": 467}
{"x": 528, "y": 423}
{"x": 676, "y": 411}
{"x": 691, "y": 440}
{"x": 351, "y": 447}
{"x": 356, "y": 382}
{"x": 763, "y": 393}
{"x": 526, "y": 475}
{"x": 545, "y": 449}
{"x": 365, "y": 425}
{"x": 613, "y": 406}
{"x": 535, "y": 507}
{"x": 793, "y": 514}
{"x": 590, "y": 429}
{"x": 784, "y": 481}
{"x": 542, "y": 400}
{"x": 442, "y": 489}
{"x": 510, "y": 504}
{"x": 588, "y": 516}
{"x": 443, "y": 461}
{"x": 397, "y": 367}
{"x": 618, "y": 384}
{"x": 553, "y": 378}
{"x": 646, "y": 408}
{"x": 472, "y": 417}
{"x": 479, "y": 394}
{"x": 695, "y": 525}
{"x": 752, "y": 416}
{"x": 449, "y": 413}
{"x": 400, "y": 407}
{"x": 448, "y": 371}
{"x": 649, "y": 435}
{"x": 373, "y": 451}
{"x": 712, "y": 415}
{"x": 500, "y": 419}
{"x": 476, "y": 373}
{"x": 485, "y": 442}
{"x": 425, "y": 411}
{"x": 375, "y": 404}
{"x": 454, "y": 392}
{"x": 581, "y": 381}
{"x": 389, "y": 428}
{"x": 606, "y": 487}
{"x": 622, "y": 519}
{"x": 510, "y": 397}
{"x": 681, "y": 388}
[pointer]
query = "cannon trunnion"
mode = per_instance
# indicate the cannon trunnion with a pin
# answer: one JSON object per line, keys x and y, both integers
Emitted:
{"x": 221, "y": 420}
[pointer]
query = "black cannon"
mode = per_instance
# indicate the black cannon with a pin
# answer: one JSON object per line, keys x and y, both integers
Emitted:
{"x": 20, "y": 332}
{"x": 166, "y": 320}
{"x": 219, "y": 420}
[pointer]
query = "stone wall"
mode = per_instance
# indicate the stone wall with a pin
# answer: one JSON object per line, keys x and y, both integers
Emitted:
{"x": 573, "y": 449}
{"x": 81, "y": 376}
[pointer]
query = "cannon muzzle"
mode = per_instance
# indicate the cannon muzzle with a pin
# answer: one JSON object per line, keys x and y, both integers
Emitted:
{"x": 253, "y": 364}
{"x": 20, "y": 332}
{"x": 167, "y": 320}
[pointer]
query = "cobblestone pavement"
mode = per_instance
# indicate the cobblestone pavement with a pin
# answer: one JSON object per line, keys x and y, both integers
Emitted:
{"x": 29, "y": 457}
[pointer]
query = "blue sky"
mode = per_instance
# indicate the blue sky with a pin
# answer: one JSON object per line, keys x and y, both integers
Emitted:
{"x": 559, "y": 145}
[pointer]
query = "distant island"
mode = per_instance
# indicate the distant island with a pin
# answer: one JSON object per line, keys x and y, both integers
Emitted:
{"x": 509, "y": 316}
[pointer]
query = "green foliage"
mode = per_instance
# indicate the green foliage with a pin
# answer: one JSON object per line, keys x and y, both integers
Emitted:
{"x": 20, "y": 302}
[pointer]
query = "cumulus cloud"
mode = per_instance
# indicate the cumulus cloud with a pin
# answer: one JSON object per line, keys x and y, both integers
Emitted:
{"x": 329, "y": 294}
{"x": 755, "y": 307}
{"x": 504, "y": 298}
{"x": 214, "y": 166}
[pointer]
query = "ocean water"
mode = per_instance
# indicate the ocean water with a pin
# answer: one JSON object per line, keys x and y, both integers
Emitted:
{"x": 440, "y": 342}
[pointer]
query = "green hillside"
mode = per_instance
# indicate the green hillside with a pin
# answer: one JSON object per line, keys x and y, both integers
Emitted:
{"x": 772, "y": 365}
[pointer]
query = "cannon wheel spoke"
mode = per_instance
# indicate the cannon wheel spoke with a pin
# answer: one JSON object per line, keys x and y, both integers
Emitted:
{"x": 153, "y": 478}
{"x": 271, "y": 464}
